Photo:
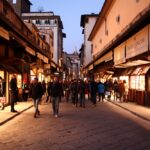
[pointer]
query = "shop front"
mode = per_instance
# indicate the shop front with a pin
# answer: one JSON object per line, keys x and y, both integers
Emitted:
{"x": 139, "y": 85}
{"x": 6, "y": 73}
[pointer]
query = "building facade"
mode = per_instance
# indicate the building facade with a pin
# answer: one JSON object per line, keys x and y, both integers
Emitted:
{"x": 87, "y": 22}
{"x": 20, "y": 6}
{"x": 50, "y": 28}
{"x": 20, "y": 48}
{"x": 50, "y": 24}
{"x": 120, "y": 40}
{"x": 71, "y": 66}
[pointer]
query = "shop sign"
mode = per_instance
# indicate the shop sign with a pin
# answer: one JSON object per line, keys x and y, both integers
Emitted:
{"x": 119, "y": 54}
{"x": 137, "y": 44}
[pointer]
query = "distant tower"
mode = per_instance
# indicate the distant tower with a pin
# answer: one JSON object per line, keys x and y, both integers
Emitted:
{"x": 20, "y": 6}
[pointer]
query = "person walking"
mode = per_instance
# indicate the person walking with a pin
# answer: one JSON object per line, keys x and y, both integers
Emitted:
{"x": 81, "y": 89}
{"x": 116, "y": 90}
{"x": 56, "y": 92}
{"x": 87, "y": 89}
{"x": 74, "y": 92}
{"x": 121, "y": 90}
{"x": 126, "y": 91}
{"x": 101, "y": 91}
{"x": 93, "y": 91}
{"x": 67, "y": 90}
{"x": 49, "y": 92}
{"x": 14, "y": 92}
{"x": 44, "y": 87}
{"x": 36, "y": 92}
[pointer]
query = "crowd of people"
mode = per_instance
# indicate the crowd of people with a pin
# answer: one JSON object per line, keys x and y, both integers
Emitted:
{"x": 76, "y": 91}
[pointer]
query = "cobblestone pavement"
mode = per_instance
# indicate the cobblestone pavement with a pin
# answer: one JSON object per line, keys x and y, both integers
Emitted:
{"x": 104, "y": 127}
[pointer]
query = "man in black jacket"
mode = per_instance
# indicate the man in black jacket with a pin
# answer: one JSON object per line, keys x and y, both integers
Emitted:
{"x": 36, "y": 92}
{"x": 56, "y": 92}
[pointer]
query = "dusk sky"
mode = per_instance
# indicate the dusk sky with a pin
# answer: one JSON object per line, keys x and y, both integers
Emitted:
{"x": 70, "y": 12}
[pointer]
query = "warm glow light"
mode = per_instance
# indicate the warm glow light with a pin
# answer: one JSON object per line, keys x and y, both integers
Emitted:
{"x": 2, "y": 74}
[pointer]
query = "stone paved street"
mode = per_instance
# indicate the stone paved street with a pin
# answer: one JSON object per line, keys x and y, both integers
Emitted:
{"x": 106, "y": 126}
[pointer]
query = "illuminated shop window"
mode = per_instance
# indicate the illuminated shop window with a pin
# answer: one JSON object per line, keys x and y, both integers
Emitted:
{"x": 137, "y": 82}
{"x": 2, "y": 74}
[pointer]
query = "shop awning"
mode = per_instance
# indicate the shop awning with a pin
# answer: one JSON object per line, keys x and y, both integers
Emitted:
{"x": 123, "y": 72}
{"x": 107, "y": 57}
{"x": 127, "y": 72}
{"x": 118, "y": 72}
{"x": 140, "y": 70}
{"x": 132, "y": 63}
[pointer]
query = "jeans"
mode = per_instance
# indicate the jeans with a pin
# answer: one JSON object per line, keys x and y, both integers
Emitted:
{"x": 55, "y": 105}
{"x": 36, "y": 104}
